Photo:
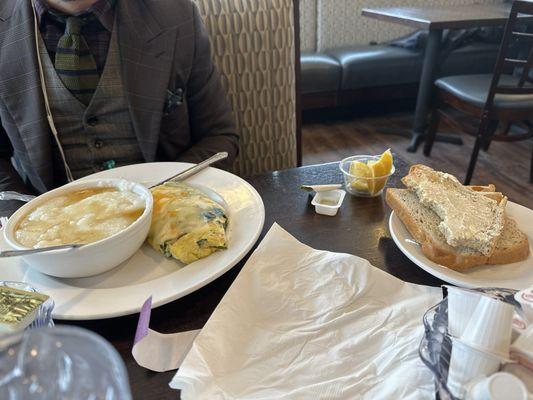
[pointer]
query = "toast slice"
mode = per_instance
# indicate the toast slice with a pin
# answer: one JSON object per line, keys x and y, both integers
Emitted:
{"x": 467, "y": 219}
{"x": 488, "y": 191}
{"x": 477, "y": 188}
{"x": 423, "y": 224}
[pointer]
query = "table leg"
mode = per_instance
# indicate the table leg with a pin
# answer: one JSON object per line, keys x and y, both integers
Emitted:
{"x": 425, "y": 91}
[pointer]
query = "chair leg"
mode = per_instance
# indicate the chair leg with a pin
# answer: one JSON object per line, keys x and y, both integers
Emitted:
{"x": 531, "y": 171}
{"x": 432, "y": 131}
{"x": 486, "y": 130}
{"x": 493, "y": 131}
{"x": 473, "y": 160}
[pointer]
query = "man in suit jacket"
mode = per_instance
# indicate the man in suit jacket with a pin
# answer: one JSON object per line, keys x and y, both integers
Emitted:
{"x": 147, "y": 91}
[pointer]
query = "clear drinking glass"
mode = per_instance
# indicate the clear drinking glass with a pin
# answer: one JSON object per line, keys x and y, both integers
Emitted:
{"x": 61, "y": 363}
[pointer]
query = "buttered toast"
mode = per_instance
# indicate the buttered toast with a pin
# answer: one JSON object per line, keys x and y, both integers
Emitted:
{"x": 467, "y": 219}
{"x": 423, "y": 224}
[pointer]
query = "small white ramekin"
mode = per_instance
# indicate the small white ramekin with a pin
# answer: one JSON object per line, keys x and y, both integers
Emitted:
{"x": 90, "y": 259}
{"x": 333, "y": 197}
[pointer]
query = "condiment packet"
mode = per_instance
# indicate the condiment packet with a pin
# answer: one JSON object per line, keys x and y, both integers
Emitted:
{"x": 519, "y": 326}
{"x": 156, "y": 351}
{"x": 522, "y": 349}
{"x": 525, "y": 298}
{"x": 522, "y": 373}
{"x": 18, "y": 308}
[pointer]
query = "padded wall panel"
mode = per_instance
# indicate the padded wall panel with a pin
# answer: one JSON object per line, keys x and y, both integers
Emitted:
{"x": 253, "y": 46}
{"x": 308, "y": 25}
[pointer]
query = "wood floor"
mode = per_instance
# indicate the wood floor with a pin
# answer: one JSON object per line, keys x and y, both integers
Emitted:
{"x": 331, "y": 136}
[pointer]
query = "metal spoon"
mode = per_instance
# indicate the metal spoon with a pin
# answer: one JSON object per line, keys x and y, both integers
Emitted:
{"x": 16, "y": 196}
{"x": 17, "y": 253}
{"x": 194, "y": 169}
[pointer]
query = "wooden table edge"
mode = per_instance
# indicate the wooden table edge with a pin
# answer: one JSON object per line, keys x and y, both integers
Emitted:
{"x": 382, "y": 14}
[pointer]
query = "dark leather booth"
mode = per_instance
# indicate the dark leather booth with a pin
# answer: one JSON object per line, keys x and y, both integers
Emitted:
{"x": 346, "y": 76}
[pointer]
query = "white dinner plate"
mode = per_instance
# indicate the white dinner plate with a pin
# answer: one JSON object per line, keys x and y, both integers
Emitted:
{"x": 124, "y": 289}
{"x": 512, "y": 276}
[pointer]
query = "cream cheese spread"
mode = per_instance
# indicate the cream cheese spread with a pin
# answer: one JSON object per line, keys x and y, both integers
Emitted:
{"x": 81, "y": 217}
{"x": 468, "y": 219}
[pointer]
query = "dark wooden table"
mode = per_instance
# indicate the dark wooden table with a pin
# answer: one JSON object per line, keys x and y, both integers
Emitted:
{"x": 360, "y": 228}
{"x": 436, "y": 19}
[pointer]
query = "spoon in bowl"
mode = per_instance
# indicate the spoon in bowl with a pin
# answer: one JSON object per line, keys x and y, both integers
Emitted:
{"x": 17, "y": 253}
{"x": 9, "y": 195}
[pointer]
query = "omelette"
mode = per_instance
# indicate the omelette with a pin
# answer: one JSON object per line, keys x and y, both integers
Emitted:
{"x": 186, "y": 224}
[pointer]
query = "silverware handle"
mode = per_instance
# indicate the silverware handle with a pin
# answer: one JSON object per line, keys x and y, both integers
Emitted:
{"x": 194, "y": 169}
{"x": 16, "y": 196}
{"x": 17, "y": 253}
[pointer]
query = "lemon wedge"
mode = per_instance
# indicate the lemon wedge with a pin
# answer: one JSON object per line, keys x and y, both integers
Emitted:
{"x": 379, "y": 170}
{"x": 361, "y": 171}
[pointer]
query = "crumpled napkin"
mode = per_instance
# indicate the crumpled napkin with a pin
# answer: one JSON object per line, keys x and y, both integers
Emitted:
{"x": 300, "y": 323}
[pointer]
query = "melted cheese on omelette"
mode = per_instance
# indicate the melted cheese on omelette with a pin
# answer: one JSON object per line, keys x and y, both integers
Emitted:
{"x": 186, "y": 224}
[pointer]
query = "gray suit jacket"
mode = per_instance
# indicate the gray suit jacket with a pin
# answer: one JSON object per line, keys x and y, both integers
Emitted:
{"x": 163, "y": 47}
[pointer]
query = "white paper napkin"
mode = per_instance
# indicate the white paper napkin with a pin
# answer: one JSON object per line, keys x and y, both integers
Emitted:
{"x": 300, "y": 323}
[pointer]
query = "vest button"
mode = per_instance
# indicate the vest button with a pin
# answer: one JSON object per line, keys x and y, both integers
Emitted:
{"x": 98, "y": 144}
{"x": 92, "y": 120}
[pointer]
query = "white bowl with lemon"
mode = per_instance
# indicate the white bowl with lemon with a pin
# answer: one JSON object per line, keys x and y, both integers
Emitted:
{"x": 367, "y": 176}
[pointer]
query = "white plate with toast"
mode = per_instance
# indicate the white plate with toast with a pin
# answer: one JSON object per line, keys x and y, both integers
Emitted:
{"x": 518, "y": 275}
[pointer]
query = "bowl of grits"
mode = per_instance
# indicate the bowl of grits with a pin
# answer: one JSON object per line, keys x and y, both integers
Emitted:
{"x": 110, "y": 218}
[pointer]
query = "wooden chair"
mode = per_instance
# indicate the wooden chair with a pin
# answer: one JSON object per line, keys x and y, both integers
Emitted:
{"x": 504, "y": 98}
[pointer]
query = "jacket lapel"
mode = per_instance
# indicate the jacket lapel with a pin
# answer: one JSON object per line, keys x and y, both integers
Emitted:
{"x": 146, "y": 52}
{"x": 21, "y": 89}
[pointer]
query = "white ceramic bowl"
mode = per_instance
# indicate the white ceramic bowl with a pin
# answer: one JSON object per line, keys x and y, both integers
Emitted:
{"x": 90, "y": 259}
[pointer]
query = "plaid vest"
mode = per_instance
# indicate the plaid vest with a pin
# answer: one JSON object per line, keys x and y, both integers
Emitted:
{"x": 94, "y": 137}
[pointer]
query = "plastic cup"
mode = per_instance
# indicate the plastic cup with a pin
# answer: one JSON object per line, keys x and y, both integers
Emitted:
{"x": 329, "y": 202}
{"x": 363, "y": 186}
{"x": 490, "y": 327}
{"x": 461, "y": 306}
{"x": 468, "y": 363}
{"x": 500, "y": 386}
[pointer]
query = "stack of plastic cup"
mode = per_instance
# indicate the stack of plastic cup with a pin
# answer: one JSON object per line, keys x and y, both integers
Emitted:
{"x": 461, "y": 306}
{"x": 483, "y": 326}
{"x": 490, "y": 328}
{"x": 468, "y": 363}
{"x": 500, "y": 386}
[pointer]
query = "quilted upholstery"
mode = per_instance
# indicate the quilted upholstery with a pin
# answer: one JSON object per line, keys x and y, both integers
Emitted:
{"x": 253, "y": 47}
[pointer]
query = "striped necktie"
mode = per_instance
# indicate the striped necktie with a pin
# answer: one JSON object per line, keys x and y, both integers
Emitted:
{"x": 74, "y": 62}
